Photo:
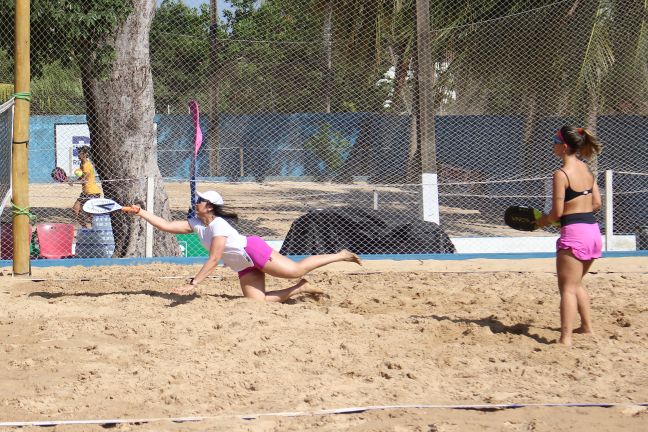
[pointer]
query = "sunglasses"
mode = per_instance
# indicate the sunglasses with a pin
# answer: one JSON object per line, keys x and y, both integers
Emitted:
{"x": 201, "y": 200}
{"x": 557, "y": 140}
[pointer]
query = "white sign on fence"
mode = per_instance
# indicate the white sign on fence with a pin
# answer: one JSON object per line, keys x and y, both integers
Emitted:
{"x": 69, "y": 137}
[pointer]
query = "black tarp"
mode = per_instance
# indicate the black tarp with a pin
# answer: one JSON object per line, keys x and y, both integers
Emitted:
{"x": 364, "y": 232}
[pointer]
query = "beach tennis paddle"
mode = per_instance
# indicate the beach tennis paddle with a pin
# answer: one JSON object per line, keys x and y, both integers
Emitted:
{"x": 59, "y": 175}
{"x": 522, "y": 218}
{"x": 103, "y": 206}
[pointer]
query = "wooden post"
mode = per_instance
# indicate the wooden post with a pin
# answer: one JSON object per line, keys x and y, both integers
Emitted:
{"x": 425, "y": 81}
{"x": 19, "y": 158}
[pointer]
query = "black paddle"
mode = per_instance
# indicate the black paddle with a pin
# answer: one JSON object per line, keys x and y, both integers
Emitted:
{"x": 522, "y": 218}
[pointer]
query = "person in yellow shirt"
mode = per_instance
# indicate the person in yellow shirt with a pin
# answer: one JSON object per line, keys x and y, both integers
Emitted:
{"x": 90, "y": 189}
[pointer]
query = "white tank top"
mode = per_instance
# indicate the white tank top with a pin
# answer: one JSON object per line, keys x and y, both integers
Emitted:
{"x": 234, "y": 255}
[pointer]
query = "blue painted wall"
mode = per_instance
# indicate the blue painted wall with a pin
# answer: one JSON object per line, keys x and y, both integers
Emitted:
{"x": 273, "y": 144}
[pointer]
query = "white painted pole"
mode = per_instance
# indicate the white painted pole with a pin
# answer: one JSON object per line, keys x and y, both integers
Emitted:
{"x": 375, "y": 194}
{"x": 609, "y": 210}
{"x": 430, "y": 189}
{"x": 150, "y": 200}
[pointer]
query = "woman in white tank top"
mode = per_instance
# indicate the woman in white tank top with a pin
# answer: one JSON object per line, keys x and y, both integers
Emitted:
{"x": 251, "y": 257}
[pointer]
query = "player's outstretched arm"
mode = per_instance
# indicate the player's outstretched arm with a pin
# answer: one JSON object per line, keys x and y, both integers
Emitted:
{"x": 215, "y": 254}
{"x": 173, "y": 227}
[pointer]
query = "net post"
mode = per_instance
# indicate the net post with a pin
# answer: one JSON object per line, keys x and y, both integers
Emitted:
{"x": 19, "y": 166}
{"x": 150, "y": 202}
{"x": 609, "y": 210}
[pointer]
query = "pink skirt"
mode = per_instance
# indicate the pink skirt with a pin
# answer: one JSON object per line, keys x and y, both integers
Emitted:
{"x": 583, "y": 239}
{"x": 259, "y": 252}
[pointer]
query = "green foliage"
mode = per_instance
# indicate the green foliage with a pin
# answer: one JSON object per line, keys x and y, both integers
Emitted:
{"x": 80, "y": 30}
{"x": 179, "y": 54}
{"x": 6, "y": 68}
{"x": 6, "y": 92}
{"x": 72, "y": 31}
{"x": 271, "y": 55}
{"x": 6, "y": 77}
{"x": 271, "y": 58}
{"x": 57, "y": 91}
{"x": 65, "y": 35}
{"x": 329, "y": 146}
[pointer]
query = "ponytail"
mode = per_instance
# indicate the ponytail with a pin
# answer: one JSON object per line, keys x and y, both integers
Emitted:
{"x": 589, "y": 146}
{"x": 580, "y": 141}
{"x": 218, "y": 211}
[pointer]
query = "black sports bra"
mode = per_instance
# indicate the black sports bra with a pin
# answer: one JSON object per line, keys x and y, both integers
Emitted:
{"x": 570, "y": 193}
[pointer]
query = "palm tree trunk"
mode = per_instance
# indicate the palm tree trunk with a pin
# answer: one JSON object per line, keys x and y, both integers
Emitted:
{"x": 328, "y": 71}
{"x": 414, "y": 153}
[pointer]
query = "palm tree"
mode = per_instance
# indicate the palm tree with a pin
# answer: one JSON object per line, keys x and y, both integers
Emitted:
{"x": 557, "y": 60}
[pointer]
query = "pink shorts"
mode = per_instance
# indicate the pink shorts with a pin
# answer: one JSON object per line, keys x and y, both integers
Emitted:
{"x": 259, "y": 252}
{"x": 583, "y": 239}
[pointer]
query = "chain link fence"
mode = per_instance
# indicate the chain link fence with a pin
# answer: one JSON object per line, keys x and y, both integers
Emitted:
{"x": 311, "y": 106}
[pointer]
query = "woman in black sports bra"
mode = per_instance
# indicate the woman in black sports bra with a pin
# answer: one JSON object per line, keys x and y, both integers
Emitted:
{"x": 575, "y": 198}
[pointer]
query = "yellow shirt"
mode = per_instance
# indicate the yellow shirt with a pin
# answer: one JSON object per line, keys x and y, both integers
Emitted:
{"x": 90, "y": 186}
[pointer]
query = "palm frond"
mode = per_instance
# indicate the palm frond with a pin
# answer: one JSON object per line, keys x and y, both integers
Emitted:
{"x": 641, "y": 50}
{"x": 599, "y": 53}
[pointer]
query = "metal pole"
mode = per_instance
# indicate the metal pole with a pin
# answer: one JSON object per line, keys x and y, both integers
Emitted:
{"x": 609, "y": 210}
{"x": 20, "y": 156}
{"x": 429, "y": 179}
{"x": 150, "y": 204}
{"x": 241, "y": 170}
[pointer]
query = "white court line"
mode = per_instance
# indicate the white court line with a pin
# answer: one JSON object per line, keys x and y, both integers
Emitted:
{"x": 347, "y": 410}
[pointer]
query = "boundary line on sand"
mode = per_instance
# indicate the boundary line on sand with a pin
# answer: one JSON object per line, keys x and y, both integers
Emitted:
{"x": 347, "y": 410}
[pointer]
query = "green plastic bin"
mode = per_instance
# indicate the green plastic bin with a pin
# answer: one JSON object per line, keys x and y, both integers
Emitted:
{"x": 190, "y": 245}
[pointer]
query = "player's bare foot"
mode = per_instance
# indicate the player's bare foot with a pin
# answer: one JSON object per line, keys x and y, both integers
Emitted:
{"x": 351, "y": 257}
{"x": 583, "y": 330}
{"x": 567, "y": 341}
{"x": 306, "y": 288}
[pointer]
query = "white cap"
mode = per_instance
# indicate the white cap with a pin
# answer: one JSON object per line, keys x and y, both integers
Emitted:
{"x": 211, "y": 196}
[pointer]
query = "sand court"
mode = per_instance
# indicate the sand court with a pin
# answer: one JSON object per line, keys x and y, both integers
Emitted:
{"x": 119, "y": 345}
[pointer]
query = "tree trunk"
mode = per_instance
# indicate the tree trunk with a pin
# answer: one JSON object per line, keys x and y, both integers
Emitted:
{"x": 591, "y": 122}
{"x": 327, "y": 32}
{"x": 401, "y": 64}
{"x": 414, "y": 151}
{"x": 120, "y": 111}
{"x": 627, "y": 94}
{"x": 213, "y": 138}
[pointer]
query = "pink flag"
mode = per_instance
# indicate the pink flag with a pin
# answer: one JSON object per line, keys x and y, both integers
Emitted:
{"x": 195, "y": 116}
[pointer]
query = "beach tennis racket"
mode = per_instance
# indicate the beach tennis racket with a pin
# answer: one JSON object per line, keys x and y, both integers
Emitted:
{"x": 522, "y": 218}
{"x": 58, "y": 175}
{"x": 103, "y": 206}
